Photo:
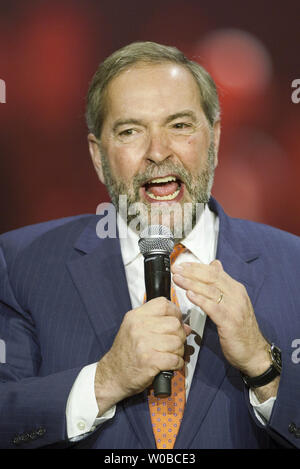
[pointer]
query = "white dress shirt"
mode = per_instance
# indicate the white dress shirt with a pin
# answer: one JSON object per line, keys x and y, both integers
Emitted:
{"x": 201, "y": 244}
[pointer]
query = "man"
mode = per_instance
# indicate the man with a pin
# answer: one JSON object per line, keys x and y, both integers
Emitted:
{"x": 82, "y": 347}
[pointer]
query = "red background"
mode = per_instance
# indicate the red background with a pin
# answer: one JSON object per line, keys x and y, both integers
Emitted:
{"x": 49, "y": 51}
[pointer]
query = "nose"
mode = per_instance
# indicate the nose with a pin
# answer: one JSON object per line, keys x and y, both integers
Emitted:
{"x": 158, "y": 146}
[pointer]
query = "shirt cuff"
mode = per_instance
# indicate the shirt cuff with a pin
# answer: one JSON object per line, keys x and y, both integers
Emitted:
{"x": 82, "y": 408}
{"x": 262, "y": 410}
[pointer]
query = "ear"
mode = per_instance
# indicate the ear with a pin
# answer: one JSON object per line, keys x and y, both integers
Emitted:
{"x": 217, "y": 134}
{"x": 94, "y": 149}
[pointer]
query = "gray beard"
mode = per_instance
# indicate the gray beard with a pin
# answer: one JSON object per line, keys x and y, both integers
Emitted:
{"x": 199, "y": 188}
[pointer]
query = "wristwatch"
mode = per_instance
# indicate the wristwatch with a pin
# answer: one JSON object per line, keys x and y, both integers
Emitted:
{"x": 271, "y": 373}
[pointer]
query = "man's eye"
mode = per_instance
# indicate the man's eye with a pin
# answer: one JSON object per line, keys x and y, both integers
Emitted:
{"x": 126, "y": 133}
{"x": 181, "y": 125}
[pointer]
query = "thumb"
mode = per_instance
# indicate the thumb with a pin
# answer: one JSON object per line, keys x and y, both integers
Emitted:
{"x": 187, "y": 329}
{"x": 217, "y": 264}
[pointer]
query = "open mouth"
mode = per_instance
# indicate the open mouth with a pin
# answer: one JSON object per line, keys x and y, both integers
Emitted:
{"x": 166, "y": 188}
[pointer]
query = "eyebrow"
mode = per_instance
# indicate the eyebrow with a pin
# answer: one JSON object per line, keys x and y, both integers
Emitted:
{"x": 185, "y": 113}
{"x": 172, "y": 117}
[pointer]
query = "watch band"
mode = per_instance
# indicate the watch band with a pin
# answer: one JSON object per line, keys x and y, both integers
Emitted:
{"x": 261, "y": 380}
{"x": 271, "y": 373}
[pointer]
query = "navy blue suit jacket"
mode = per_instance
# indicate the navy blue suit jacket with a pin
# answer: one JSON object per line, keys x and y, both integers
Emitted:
{"x": 63, "y": 295}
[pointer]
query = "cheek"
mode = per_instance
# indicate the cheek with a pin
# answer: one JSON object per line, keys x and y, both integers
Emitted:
{"x": 123, "y": 165}
{"x": 193, "y": 153}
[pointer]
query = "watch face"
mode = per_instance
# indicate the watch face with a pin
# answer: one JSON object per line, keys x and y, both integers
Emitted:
{"x": 276, "y": 357}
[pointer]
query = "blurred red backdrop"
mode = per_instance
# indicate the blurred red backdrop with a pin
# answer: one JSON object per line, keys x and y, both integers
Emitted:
{"x": 49, "y": 51}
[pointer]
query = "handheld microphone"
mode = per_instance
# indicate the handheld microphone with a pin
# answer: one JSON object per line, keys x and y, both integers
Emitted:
{"x": 156, "y": 244}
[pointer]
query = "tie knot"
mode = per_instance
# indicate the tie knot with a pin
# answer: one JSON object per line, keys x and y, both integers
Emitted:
{"x": 178, "y": 249}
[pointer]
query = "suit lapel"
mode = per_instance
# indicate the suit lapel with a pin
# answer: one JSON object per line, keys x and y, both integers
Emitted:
{"x": 244, "y": 265}
{"x": 100, "y": 280}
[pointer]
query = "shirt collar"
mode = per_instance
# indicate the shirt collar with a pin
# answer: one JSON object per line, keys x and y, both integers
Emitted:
{"x": 200, "y": 241}
{"x": 129, "y": 243}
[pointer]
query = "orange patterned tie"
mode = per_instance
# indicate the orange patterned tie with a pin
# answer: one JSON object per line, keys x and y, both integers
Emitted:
{"x": 166, "y": 412}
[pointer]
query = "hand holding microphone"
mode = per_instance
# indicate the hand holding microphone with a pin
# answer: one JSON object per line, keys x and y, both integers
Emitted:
{"x": 151, "y": 338}
{"x": 156, "y": 244}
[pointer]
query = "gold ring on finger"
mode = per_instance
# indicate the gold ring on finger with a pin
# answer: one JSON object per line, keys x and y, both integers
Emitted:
{"x": 220, "y": 298}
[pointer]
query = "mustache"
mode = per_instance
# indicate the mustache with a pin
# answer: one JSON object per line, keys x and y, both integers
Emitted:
{"x": 152, "y": 173}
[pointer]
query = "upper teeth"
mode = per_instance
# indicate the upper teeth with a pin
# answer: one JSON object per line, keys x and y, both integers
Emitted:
{"x": 163, "y": 179}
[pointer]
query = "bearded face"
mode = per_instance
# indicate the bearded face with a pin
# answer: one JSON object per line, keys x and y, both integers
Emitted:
{"x": 156, "y": 145}
{"x": 197, "y": 189}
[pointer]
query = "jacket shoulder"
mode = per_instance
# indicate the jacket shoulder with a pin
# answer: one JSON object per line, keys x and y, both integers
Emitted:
{"x": 15, "y": 241}
{"x": 262, "y": 231}
{"x": 254, "y": 237}
{"x": 265, "y": 239}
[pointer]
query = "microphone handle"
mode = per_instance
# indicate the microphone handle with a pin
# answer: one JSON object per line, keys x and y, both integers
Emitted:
{"x": 158, "y": 283}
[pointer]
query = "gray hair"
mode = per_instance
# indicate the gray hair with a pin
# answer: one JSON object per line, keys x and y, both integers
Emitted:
{"x": 148, "y": 53}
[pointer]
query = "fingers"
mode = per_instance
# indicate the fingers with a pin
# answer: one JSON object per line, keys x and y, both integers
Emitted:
{"x": 167, "y": 343}
{"x": 167, "y": 361}
{"x": 215, "y": 311}
{"x": 165, "y": 317}
{"x": 187, "y": 329}
{"x": 209, "y": 291}
{"x": 160, "y": 353}
{"x": 151, "y": 339}
{"x": 168, "y": 325}
{"x": 159, "y": 322}
{"x": 207, "y": 286}
{"x": 222, "y": 298}
{"x": 207, "y": 280}
{"x": 161, "y": 307}
{"x": 209, "y": 274}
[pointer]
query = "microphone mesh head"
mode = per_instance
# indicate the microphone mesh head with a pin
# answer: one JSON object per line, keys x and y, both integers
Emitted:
{"x": 156, "y": 239}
